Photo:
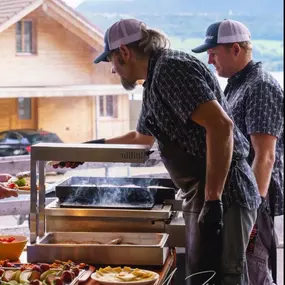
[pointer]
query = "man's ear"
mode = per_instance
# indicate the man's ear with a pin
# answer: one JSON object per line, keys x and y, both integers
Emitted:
{"x": 125, "y": 52}
{"x": 236, "y": 49}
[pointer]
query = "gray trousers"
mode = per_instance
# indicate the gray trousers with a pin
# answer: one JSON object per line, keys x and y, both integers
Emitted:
{"x": 238, "y": 223}
{"x": 259, "y": 267}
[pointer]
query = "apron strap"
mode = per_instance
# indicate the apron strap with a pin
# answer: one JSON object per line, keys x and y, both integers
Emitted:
{"x": 273, "y": 249}
{"x": 273, "y": 258}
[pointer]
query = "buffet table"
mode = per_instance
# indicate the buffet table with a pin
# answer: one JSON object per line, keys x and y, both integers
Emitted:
{"x": 142, "y": 213}
{"x": 164, "y": 271}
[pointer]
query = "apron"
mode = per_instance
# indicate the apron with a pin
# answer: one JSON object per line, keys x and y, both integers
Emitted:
{"x": 188, "y": 173}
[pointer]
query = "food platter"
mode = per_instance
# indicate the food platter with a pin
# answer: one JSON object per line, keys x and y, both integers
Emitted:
{"x": 125, "y": 275}
{"x": 58, "y": 273}
{"x": 22, "y": 184}
{"x": 27, "y": 190}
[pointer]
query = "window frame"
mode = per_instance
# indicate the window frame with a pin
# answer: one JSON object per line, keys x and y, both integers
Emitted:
{"x": 24, "y": 118}
{"x": 105, "y": 107}
{"x": 33, "y": 38}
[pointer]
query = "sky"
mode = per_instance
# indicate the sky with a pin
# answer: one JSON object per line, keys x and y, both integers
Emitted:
{"x": 73, "y": 3}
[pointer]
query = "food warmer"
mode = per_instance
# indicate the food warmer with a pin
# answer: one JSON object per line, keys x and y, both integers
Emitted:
{"x": 102, "y": 220}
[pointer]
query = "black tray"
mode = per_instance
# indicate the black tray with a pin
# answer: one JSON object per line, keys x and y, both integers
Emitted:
{"x": 89, "y": 191}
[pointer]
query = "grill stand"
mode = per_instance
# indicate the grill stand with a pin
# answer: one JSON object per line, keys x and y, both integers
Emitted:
{"x": 161, "y": 219}
{"x": 42, "y": 152}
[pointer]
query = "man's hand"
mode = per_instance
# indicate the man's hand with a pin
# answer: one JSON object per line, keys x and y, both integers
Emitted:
{"x": 132, "y": 137}
{"x": 6, "y": 192}
{"x": 66, "y": 164}
{"x": 73, "y": 164}
{"x": 210, "y": 222}
{"x": 210, "y": 219}
{"x": 4, "y": 177}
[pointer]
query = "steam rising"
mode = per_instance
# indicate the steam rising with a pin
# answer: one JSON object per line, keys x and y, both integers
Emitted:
{"x": 89, "y": 192}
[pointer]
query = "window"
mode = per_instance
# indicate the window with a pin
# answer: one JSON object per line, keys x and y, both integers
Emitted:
{"x": 3, "y": 136}
{"x": 108, "y": 106}
{"x": 24, "y": 108}
{"x": 25, "y": 39}
{"x": 14, "y": 137}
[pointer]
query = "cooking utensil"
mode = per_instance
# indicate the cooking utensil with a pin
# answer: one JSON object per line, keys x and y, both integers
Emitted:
{"x": 86, "y": 274}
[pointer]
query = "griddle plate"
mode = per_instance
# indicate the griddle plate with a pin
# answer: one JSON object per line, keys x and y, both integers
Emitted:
{"x": 109, "y": 197}
{"x": 109, "y": 206}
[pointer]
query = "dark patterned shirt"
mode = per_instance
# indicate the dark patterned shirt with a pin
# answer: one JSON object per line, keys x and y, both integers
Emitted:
{"x": 177, "y": 83}
{"x": 257, "y": 103}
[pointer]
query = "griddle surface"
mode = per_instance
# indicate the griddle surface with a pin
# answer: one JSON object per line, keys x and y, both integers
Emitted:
{"x": 109, "y": 206}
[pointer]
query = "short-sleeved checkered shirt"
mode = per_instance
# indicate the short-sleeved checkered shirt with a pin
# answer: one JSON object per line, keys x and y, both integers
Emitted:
{"x": 257, "y": 103}
{"x": 177, "y": 83}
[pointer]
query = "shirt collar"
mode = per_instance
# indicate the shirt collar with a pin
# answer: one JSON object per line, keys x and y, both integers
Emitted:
{"x": 243, "y": 73}
{"x": 154, "y": 56}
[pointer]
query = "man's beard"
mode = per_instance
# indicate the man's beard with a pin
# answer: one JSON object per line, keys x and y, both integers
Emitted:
{"x": 128, "y": 85}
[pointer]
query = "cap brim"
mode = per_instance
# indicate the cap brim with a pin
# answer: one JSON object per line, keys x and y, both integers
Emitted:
{"x": 102, "y": 57}
{"x": 203, "y": 47}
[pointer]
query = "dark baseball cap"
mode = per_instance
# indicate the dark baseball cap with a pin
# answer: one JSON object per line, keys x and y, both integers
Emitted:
{"x": 123, "y": 32}
{"x": 226, "y": 31}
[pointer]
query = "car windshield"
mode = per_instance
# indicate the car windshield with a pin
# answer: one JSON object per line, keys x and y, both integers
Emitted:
{"x": 44, "y": 137}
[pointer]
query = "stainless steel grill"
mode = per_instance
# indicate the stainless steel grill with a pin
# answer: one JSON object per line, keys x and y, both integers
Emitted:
{"x": 101, "y": 205}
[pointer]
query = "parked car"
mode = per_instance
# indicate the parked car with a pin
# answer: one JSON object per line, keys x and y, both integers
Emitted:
{"x": 18, "y": 142}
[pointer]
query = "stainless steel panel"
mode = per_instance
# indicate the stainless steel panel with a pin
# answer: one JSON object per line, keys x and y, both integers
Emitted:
{"x": 89, "y": 152}
{"x": 139, "y": 239}
{"x": 157, "y": 212}
{"x": 149, "y": 248}
{"x": 90, "y": 224}
{"x": 176, "y": 231}
{"x": 176, "y": 204}
{"x": 33, "y": 203}
{"x": 42, "y": 199}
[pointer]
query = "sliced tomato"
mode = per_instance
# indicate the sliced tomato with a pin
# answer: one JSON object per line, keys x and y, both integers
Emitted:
{"x": 12, "y": 186}
{"x": 8, "y": 239}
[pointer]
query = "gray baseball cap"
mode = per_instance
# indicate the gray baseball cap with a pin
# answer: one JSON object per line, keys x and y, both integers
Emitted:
{"x": 123, "y": 32}
{"x": 226, "y": 31}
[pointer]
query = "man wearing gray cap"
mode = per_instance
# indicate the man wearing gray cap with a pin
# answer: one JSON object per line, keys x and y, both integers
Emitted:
{"x": 185, "y": 110}
{"x": 257, "y": 103}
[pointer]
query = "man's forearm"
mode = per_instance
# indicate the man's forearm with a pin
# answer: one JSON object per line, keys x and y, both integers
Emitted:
{"x": 262, "y": 168}
{"x": 219, "y": 156}
{"x": 132, "y": 137}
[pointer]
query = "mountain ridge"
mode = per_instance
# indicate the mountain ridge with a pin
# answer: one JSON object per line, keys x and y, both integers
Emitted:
{"x": 185, "y": 21}
{"x": 244, "y": 7}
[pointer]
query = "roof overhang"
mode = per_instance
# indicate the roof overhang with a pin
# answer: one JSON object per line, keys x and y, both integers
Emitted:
{"x": 66, "y": 91}
{"x": 74, "y": 22}
{"x": 17, "y": 17}
{"x": 66, "y": 16}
